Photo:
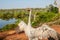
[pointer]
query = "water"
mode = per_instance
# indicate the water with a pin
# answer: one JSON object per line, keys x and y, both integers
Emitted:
{"x": 5, "y": 22}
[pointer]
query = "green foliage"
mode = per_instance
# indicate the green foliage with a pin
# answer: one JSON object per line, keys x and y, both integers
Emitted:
{"x": 56, "y": 17}
{"x": 8, "y": 27}
{"x": 53, "y": 9}
{"x": 41, "y": 16}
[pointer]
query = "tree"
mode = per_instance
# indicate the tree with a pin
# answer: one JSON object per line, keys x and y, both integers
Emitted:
{"x": 53, "y": 8}
{"x": 56, "y": 3}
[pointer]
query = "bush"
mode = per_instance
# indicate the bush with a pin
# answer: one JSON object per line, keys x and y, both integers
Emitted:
{"x": 8, "y": 27}
{"x": 43, "y": 17}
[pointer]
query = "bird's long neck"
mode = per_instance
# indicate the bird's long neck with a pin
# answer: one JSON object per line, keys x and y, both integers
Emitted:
{"x": 29, "y": 20}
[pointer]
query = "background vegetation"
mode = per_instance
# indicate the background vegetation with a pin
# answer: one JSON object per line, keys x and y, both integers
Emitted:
{"x": 39, "y": 15}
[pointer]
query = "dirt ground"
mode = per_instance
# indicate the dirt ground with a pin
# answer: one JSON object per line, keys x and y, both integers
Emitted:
{"x": 22, "y": 36}
{"x": 56, "y": 27}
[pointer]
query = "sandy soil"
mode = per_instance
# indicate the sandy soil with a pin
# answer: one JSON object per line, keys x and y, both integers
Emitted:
{"x": 21, "y": 36}
{"x": 12, "y": 36}
{"x": 56, "y": 27}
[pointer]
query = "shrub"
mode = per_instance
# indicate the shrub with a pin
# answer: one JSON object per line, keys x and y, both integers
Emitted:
{"x": 8, "y": 27}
